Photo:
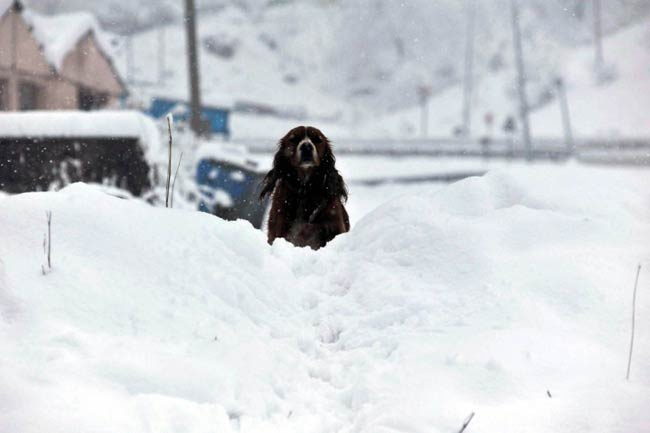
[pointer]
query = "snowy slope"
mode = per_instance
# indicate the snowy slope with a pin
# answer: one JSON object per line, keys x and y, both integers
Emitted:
{"x": 238, "y": 65}
{"x": 479, "y": 297}
{"x": 616, "y": 108}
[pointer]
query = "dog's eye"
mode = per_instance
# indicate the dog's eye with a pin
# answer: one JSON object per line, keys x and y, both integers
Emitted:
{"x": 292, "y": 140}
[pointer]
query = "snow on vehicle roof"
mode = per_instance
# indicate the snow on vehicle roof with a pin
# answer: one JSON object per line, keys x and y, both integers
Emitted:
{"x": 94, "y": 124}
{"x": 231, "y": 153}
{"x": 59, "y": 34}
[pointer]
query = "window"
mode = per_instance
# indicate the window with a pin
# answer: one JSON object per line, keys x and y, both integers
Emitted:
{"x": 29, "y": 96}
{"x": 4, "y": 88}
{"x": 89, "y": 100}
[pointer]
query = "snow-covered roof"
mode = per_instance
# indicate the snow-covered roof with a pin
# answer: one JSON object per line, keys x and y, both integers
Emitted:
{"x": 93, "y": 124}
{"x": 4, "y": 5}
{"x": 59, "y": 34}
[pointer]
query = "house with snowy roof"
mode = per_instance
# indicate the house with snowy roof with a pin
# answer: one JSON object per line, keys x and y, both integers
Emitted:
{"x": 58, "y": 62}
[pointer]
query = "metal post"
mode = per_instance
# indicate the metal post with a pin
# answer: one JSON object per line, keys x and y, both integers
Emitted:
{"x": 193, "y": 68}
{"x": 129, "y": 59}
{"x": 566, "y": 118}
{"x": 469, "y": 67}
{"x": 162, "y": 48}
{"x": 424, "y": 91}
{"x": 424, "y": 123}
{"x": 13, "y": 94}
{"x": 598, "y": 38}
{"x": 521, "y": 79}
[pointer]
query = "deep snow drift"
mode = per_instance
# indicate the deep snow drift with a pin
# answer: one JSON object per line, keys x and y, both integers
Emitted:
{"x": 479, "y": 297}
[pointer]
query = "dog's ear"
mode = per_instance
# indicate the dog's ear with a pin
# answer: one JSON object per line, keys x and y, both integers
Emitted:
{"x": 268, "y": 184}
{"x": 327, "y": 159}
{"x": 334, "y": 182}
{"x": 340, "y": 187}
{"x": 280, "y": 166}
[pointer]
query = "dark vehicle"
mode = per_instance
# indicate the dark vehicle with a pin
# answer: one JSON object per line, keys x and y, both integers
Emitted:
{"x": 230, "y": 189}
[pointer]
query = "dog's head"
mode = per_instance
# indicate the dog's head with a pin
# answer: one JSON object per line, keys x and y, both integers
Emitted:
{"x": 305, "y": 148}
{"x": 302, "y": 152}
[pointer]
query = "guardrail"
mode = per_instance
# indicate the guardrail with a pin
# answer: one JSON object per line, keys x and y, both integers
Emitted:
{"x": 599, "y": 151}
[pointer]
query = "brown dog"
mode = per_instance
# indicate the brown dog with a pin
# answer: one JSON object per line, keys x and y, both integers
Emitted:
{"x": 308, "y": 192}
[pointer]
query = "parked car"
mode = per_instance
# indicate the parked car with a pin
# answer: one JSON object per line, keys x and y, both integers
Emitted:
{"x": 229, "y": 185}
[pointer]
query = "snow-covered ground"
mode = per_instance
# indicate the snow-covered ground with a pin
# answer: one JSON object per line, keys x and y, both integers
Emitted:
{"x": 507, "y": 295}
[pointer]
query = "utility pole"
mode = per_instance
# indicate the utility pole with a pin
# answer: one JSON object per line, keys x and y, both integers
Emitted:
{"x": 162, "y": 48}
{"x": 424, "y": 92}
{"x": 193, "y": 68}
{"x": 598, "y": 38}
{"x": 469, "y": 67}
{"x": 130, "y": 70}
{"x": 521, "y": 79}
{"x": 566, "y": 118}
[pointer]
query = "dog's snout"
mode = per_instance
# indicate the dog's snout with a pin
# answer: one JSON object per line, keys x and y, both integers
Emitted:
{"x": 306, "y": 151}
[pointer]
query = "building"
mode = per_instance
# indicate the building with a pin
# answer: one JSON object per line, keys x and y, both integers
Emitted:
{"x": 54, "y": 62}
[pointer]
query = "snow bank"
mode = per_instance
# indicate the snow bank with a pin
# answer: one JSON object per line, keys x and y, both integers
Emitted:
{"x": 479, "y": 297}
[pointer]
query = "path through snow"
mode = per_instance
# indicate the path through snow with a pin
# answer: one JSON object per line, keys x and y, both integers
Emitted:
{"x": 477, "y": 297}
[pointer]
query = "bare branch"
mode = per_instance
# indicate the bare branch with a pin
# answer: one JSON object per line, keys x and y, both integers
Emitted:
{"x": 466, "y": 423}
{"x": 169, "y": 164}
{"x": 174, "y": 181}
{"x": 629, "y": 359}
{"x": 49, "y": 239}
{"x": 47, "y": 244}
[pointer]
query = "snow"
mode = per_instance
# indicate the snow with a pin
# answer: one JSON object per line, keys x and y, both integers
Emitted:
{"x": 354, "y": 67}
{"x": 613, "y": 109}
{"x": 479, "y": 296}
{"x": 598, "y": 110}
{"x": 227, "y": 152}
{"x": 253, "y": 75}
{"x": 91, "y": 124}
{"x": 252, "y": 126}
{"x": 4, "y": 6}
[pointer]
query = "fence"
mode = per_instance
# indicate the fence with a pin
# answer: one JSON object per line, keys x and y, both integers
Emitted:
{"x": 601, "y": 151}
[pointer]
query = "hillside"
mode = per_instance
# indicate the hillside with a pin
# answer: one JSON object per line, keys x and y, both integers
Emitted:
{"x": 355, "y": 67}
{"x": 507, "y": 295}
{"x": 609, "y": 109}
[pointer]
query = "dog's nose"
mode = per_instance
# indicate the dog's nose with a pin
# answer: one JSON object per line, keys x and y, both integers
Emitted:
{"x": 306, "y": 152}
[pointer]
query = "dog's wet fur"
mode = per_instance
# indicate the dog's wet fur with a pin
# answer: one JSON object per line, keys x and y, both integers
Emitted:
{"x": 307, "y": 208}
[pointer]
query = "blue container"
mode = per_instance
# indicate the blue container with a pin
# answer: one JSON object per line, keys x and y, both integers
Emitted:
{"x": 218, "y": 117}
